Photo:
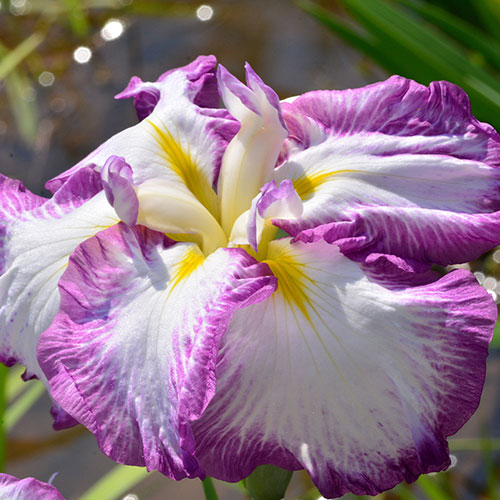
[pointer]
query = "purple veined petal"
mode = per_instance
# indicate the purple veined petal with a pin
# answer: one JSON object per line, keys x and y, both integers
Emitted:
{"x": 201, "y": 86}
{"x": 132, "y": 352}
{"x": 251, "y": 156}
{"x": 146, "y": 96}
{"x": 273, "y": 202}
{"x": 179, "y": 141}
{"x": 358, "y": 383}
{"x": 280, "y": 202}
{"x": 30, "y": 488}
{"x": 116, "y": 176}
{"x": 36, "y": 238}
{"x": 408, "y": 165}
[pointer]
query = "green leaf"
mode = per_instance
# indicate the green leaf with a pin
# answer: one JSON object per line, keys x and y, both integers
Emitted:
{"x": 486, "y": 14}
{"x": 430, "y": 487}
{"x": 116, "y": 483}
{"x": 428, "y": 45}
{"x": 268, "y": 482}
{"x": 403, "y": 491}
{"x": 407, "y": 46}
{"x": 466, "y": 33}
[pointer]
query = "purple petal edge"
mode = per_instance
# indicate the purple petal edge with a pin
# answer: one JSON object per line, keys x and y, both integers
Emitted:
{"x": 201, "y": 87}
{"x": 12, "y": 488}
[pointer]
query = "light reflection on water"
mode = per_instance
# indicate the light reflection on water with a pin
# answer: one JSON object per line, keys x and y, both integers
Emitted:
{"x": 112, "y": 30}
{"x": 82, "y": 55}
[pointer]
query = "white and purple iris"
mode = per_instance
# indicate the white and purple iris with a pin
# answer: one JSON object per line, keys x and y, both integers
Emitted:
{"x": 214, "y": 289}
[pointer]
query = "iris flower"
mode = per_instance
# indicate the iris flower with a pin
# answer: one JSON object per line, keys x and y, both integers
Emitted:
{"x": 215, "y": 288}
{"x": 30, "y": 488}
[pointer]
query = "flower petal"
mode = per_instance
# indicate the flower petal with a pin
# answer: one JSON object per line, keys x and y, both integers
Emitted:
{"x": 116, "y": 176}
{"x": 251, "y": 156}
{"x": 37, "y": 237}
{"x": 201, "y": 88}
{"x": 30, "y": 488}
{"x": 178, "y": 141}
{"x": 132, "y": 352}
{"x": 167, "y": 207}
{"x": 355, "y": 382}
{"x": 410, "y": 166}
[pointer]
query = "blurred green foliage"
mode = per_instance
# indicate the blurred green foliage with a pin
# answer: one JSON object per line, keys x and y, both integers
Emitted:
{"x": 427, "y": 41}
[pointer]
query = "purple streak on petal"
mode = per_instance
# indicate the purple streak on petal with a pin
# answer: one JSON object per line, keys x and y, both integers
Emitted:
{"x": 410, "y": 233}
{"x": 396, "y": 273}
{"x": 347, "y": 235}
{"x": 441, "y": 332}
{"x": 94, "y": 354}
{"x": 255, "y": 82}
{"x": 201, "y": 73}
{"x": 399, "y": 107}
{"x": 36, "y": 236}
{"x": 15, "y": 200}
{"x": 273, "y": 195}
{"x": 62, "y": 419}
{"x": 201, "y": 87}
{"x": 117, "y": 181}
{"x": 273, "y": 202}
{"x": 435, "y": 186}
{"x": 29, "y": 488}
{"x": 145, "y": 94}
{"x": 233, "y": 85}
{"x": 183, "y": 106}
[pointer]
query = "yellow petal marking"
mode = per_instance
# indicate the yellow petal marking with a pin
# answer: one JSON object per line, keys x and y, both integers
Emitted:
{"x": 192, "y": 259}
{"x": 292, "y": 280}
{"x": 183, "y": 165}
{"x": 307, "y": 185}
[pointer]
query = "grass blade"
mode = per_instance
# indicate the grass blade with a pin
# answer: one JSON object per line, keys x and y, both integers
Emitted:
{"x": 414, "y": 50}
{"x": 432, "y": 490}
{"x": 115, "y": 483}
{"x": 25, "y": 111}
{"x": 28, "y": 398}
{"x": 466, "y": 33}
{"x": 11, "y": 59}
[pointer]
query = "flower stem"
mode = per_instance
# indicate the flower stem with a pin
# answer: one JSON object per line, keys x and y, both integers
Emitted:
{"x": 209, "y": 489}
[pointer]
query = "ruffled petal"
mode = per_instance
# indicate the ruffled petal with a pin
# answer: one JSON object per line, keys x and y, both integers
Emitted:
{"x": 201, "y": 87}
{"x": 357, "y": 383}
{"x": 37, "y": 237}
{"x": 132, "y": 352}
{"x": 30, "y": 488}
{"x": 178, "y": 141}
{"x": 409, "y": 166}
